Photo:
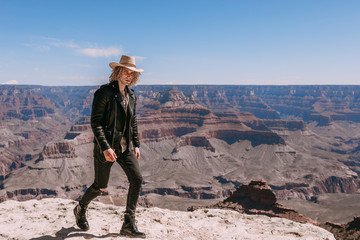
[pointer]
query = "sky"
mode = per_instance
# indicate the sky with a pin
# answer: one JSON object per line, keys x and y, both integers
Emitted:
{"x": 237, "y": 42}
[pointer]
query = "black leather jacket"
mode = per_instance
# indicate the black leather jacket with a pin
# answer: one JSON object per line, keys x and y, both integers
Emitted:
{"x": 106, "y": 104}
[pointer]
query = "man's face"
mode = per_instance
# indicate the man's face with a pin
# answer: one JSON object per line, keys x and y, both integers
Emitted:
{"x": 126, "y": 76}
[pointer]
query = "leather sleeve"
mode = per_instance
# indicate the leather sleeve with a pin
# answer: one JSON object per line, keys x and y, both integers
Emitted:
{"x": 135, "y": 136}
{"x": 97, "y": 117}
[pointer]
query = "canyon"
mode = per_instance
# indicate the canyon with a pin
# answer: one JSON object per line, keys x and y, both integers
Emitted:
{"x": 197, "y": 141}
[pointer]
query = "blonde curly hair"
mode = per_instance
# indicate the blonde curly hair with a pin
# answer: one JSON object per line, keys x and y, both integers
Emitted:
{"x": 116, "y": 71}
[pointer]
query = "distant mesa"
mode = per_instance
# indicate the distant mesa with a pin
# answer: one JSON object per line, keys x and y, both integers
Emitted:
{"x": 257, "y": 198}
{"x": 172, "y": 98}
{"x": 82, "y": 125}
{"x": 64, "y": 149}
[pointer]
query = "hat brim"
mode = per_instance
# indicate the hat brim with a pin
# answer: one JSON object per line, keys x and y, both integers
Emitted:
{"x": 113, "y": 65}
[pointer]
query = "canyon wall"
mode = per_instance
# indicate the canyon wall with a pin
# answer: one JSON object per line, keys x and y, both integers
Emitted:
{"x": 196, "y": 141}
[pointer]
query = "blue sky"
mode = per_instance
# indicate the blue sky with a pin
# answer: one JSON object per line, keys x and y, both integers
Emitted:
{"x": 181, "y": 42}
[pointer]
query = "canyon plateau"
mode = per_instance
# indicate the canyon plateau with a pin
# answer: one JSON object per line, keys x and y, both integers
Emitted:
{"x": 198, "y": 142}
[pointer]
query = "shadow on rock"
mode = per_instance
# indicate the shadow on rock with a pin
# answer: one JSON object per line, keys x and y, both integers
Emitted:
{"x": 71, "y": 232}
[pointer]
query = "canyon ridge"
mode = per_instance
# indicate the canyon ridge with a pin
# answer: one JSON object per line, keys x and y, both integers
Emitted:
{"x": 198, "y": 143}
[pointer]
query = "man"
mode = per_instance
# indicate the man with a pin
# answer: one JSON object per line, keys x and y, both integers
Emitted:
{"x": 113, "y": 121}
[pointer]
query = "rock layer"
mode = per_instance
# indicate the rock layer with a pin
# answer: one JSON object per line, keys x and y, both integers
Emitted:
{"x": 200, "y": 146}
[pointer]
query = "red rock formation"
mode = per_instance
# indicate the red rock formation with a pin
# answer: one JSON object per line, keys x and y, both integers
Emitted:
{"x": 171, "y": 116}
{"x": 257, "y": 198}
{"x": 336, "y": 184}
{"x": 80, "y": 127}
{"x": 27, "y": 194}
{"x": 348, "y": 231}
{"x": 347, "y": 116}
{"x": 8, "y": 162}
{"x": 210, "y": 113}
{"x": 328, "y": 185}
{"x": 321, "y": 119}
{"x": 58, "y": 150}
{"x": 255, "y": 137}
{"x": 80, "y": 132}
{"x": 188, "y": 192}
{"x": 291, "y": 125}
{"x": 257, "y": 192}
{"x": 196, "y": 141}
{"x": 176, "y": 115}
{"x": 23, "y": 104}
{"x": 85, "y": 120}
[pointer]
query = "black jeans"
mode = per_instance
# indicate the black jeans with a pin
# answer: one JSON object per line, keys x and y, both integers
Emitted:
{"x": 129, "y": 164}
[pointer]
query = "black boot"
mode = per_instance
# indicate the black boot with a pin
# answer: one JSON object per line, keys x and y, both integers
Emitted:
{"x": 80, "y": 210}
{"x": 80, "y": 215}
{"x": 129, "y": 228}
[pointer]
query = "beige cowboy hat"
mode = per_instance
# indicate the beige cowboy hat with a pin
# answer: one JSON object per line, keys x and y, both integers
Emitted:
{"x": 126, "y": 61}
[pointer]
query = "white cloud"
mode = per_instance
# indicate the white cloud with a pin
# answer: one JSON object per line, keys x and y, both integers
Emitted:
{"x": 61, "y": 43}
{"x": 90, "y": 49}
{"x": 11, "y": 82}
{"x": 101, "y": 52}
{"x": 47, "y": 43}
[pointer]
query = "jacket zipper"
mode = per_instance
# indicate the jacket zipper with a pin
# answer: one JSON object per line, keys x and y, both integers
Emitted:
{"x": 122, "y": 133}
{"x": 112, "y": 145}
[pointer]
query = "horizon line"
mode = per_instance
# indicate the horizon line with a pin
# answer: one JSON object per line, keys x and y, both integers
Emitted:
{"x": 38, "y": 85}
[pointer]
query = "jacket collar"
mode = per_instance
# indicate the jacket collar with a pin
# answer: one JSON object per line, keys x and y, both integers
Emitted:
{"x": 115, "y": 85}
{"x": 118, "y": 97}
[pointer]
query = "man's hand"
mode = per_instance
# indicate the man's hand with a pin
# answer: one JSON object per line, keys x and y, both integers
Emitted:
{"x": 110, "y": 155}
{"x": 137, "y": 152}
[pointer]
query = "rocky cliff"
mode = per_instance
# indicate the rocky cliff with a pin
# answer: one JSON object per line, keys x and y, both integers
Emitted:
{"x": 37, "y": 218}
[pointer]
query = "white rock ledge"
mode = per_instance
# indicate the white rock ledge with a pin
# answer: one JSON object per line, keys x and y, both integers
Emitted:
{"x": 53, "y": 218}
